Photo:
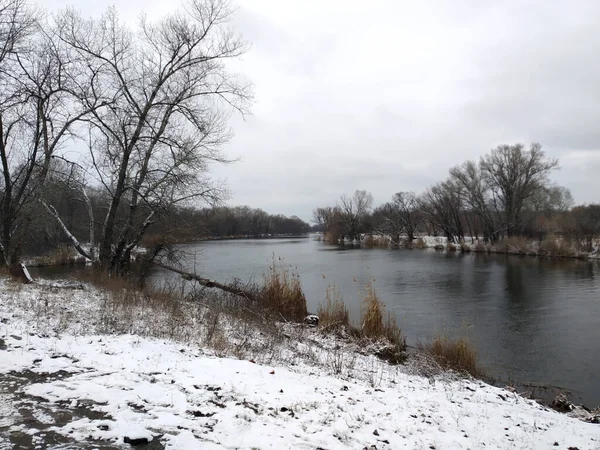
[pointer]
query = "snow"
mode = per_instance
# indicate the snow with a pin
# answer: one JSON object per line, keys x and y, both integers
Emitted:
{"x": 186, "y": 397}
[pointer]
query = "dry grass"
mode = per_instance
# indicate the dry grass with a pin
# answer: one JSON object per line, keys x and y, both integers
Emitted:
{"x": 482, "y": 248}
{"x": 372, "y": 314}
{"x": 451, "y": 247}
{"x": 282, "y": 293}
{"x": 227, "y": 324}
{"x": 419, "y": 243}
{"x": 454, "y": 354}
{"x": 376, "y": 241}
{"x": 553, "y": 246}
{"x": 514, "y": 245}
{"x": 330, "y": 236}
{"x": 333, "y": 314}
{"x": 60, "y": 256}
{"x": 464, "y": 247}
{"x": 215, "y": 323}
{"x": 373, "y": 324}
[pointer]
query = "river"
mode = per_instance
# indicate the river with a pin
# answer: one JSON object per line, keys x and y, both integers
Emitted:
{"x": 531, "y": 320}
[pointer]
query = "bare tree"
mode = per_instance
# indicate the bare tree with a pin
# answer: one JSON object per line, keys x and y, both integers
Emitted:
{"x": 38, "y": 113}
{"x": 329, "y": 219}
{"x": 442, "y": 206}
{"x": 474, "y": 189}
{"x": 17, "y": 22}
{"x": 168, "y": 93}
{"x": 514, "y": 176}
{"x": 355, "y": 211}
{"x": 410, "y": 213}
{"x": 402, "y": 215}
{"x": 586, "y": 226}
{"x": 387, "y": 220}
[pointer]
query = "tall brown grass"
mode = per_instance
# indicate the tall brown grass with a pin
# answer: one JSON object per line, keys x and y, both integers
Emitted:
{"x": 373, "y": 324}
{"x": 482, "y": 248}
{"x": 375, "y": 241}
{"x": 333, "y": 314}
{"x": 514, "y": 245}
{"x": 282, "y": 293}
{"x": 60, "y": 256}
{"x": 419, "y": 243}
{"x": 553, "y": 246}
{"x": 454, "y": 354}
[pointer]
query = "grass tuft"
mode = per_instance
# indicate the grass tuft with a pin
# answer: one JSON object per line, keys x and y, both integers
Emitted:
{"x": 514, "y": 245}
{"x": 333, "y": 314}
{"x": 419, "y": 243}
{"x": 553, "y": 246}
{"x": 373, "y": 324}
{"x": 457, "y": 355}
{"x": 282, "y": 293}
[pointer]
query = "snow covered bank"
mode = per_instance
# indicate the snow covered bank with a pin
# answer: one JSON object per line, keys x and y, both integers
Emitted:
{"x": 182, "y": 396}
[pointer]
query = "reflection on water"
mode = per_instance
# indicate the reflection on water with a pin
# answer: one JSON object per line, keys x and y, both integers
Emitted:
{"x": 534, "y": 320}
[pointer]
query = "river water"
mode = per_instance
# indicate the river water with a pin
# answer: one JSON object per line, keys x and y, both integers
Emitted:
{"x": 531, "y": 320}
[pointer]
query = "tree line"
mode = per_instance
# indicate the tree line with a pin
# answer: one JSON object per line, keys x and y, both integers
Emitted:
{"x": 78, "y": 209}
{"x": 508, "y": 192}
{"x": 132, "y": 115}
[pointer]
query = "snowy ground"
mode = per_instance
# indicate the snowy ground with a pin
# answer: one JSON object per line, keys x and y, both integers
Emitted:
{"x": 62, "y": 385}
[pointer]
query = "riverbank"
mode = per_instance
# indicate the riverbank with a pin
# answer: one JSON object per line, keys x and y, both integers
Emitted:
{"x": 81, "y": 366}
{"x": 554, "y": 248}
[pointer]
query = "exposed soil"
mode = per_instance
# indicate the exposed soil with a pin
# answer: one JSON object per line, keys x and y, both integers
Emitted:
{"x": 32, "y": 420}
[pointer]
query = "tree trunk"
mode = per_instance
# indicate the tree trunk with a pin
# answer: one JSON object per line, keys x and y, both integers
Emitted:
{"x": 209, "y": 283}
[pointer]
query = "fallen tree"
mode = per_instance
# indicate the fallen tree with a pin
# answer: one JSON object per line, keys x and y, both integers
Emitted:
{"x": 231, "y": 289}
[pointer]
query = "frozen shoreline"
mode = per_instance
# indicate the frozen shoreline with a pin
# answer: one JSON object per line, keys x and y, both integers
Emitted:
{"x": 185, "y": 396}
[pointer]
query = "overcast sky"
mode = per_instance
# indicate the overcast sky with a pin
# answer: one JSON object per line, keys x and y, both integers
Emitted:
{"x": 387, "y": 95}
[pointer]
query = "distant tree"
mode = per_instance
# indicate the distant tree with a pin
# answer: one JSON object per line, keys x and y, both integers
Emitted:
{"x": 329, "y": 219}
{"x": 514, "y": 175}
{"x": 387, "y": 221}
{"x": 474, "y": 189}
{"x": 402, "y": 215}
{"x": 442, "y": 206}
{"x": 411, "y": 214}
{"x": 585, "y": 226}
{"x": 355, "y": 213}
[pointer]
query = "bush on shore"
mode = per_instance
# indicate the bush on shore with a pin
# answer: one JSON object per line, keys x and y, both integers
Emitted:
{"x": 552, "y": 246}
{"x": 454, "y": 354}
{"x": 376, "y": 324}
{"x": 333, "y": 314}
{"x": 282, "y": 293}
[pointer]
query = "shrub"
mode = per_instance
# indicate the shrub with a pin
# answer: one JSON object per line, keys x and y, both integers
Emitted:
{"x": 282, "y": 293}
{"x": 333, "y": 314}
{"x": 553, "y": 246}
{"x": 464, "y": 247}
{"x": 514, "y": 245}
{"x": 482, "y": 248}
{"x": 419, "y": 243}
{"x": 60, "y": 256}
{"x": 332, "y": 237}
{"x": 451, "y": 247}
{"x": 372, "y": 314}
{"x": 457, "y": 355}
